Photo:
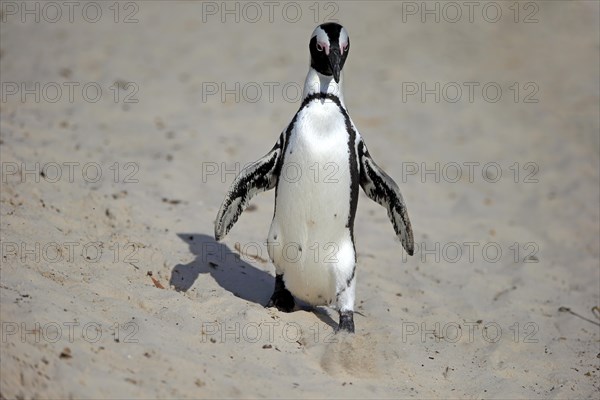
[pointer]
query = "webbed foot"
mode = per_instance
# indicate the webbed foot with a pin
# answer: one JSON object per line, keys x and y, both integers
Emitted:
{"x": 346, "y": 322}
{"x": 281, "y": 298}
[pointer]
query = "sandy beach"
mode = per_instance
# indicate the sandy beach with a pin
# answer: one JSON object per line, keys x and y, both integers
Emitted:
{"x": 123, "y": 124}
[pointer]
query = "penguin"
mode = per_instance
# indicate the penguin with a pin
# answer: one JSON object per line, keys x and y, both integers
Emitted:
{"x": 316, "y": 168}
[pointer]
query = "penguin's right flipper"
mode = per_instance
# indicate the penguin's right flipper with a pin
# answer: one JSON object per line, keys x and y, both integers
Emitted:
{"x": 383, "y": 190}
{"x": 258, "y": 177}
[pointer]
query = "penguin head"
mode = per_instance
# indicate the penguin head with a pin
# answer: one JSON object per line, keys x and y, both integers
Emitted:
{"x": 329, "y": 46}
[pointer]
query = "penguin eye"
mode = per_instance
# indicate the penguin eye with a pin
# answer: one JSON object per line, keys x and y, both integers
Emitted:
{"x": 319, "y": 47}
{"x": 345, "y": 47}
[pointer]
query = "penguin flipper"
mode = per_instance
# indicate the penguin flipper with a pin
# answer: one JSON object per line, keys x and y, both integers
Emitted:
{"x": 382, "y": 189}
{"x": 257, "y": 177}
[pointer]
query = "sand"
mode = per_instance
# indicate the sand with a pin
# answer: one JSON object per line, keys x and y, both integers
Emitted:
{"x": 120, "y": 138}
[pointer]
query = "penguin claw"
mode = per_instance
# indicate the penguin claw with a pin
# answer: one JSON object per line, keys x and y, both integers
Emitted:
{"x": 346, "y": 322}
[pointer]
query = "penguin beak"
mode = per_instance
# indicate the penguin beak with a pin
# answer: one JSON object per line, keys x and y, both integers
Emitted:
{"x": 335, "y": 59}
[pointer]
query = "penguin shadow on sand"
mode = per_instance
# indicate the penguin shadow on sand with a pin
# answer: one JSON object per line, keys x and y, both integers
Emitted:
{"x": 230, "y": 271}
{"x": 226, "y": 267}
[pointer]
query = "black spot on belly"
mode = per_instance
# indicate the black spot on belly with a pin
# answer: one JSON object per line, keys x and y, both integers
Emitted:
{"x": 299, "y": 248}
{"x": 334, "y": 215}
{"x": 275, "y": 237}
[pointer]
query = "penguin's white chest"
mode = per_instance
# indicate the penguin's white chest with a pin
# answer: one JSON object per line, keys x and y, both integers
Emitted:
{"x": 310, "y": 240}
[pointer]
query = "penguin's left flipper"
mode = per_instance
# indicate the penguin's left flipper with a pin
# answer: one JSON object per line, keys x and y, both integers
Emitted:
{"x": 258, "y": 177}
{"x": 383, "y": 190}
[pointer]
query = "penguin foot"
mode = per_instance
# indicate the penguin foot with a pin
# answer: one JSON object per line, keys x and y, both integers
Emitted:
{"x": 346, "y": 322}
{"x": 281, "y": 298}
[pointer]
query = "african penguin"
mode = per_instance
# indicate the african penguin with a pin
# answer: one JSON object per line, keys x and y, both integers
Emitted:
{"x": 316, "y": 168}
